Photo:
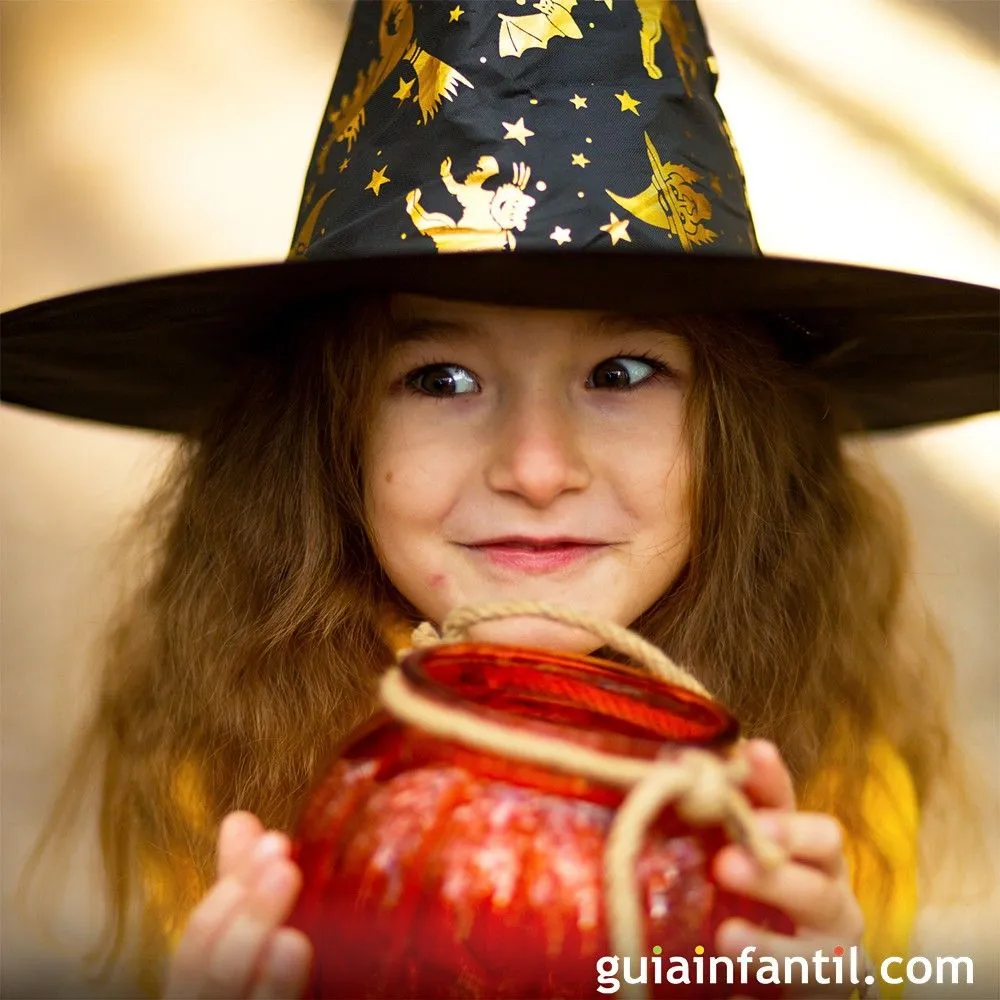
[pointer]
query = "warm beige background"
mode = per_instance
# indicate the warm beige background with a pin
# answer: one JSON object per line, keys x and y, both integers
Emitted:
{"x": 869, "y": 131}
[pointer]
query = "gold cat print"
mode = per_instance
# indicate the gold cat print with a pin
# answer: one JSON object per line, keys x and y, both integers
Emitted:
{"x": 533, "y": 31}
{"x": 436, "y": 80}
{"x": 658, "y": 16}
{"x": 671, "y": 202}
{"x": 489, "y": 218}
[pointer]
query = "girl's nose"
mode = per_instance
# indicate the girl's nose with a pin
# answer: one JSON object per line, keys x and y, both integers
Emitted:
{"x": 537, "y": 453}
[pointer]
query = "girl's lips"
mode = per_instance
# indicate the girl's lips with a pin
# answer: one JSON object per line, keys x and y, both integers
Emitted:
{"x": 529, "y": 559}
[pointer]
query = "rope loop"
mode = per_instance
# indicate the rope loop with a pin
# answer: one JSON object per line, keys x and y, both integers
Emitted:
{"x": 458, "y": 621}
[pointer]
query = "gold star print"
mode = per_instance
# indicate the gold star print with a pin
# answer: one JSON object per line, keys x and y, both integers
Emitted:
{"x": 454, "y": 15}
{"x": 628, "y": 102}
{"x": 378, "y": 179}
{"x": 560, "y": 235}
{"x": 518, "y": 131}
{"x": 403, "y": 91}
{"x": 343, "y": 165}
{"x": 578, "y": 102}
{"x": 579, "y": 160}
{"x": 617, "y": 229}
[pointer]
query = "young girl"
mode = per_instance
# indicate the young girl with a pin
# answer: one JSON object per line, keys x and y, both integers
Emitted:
{"x": 577, "y": 457}
{"x": 654, "y": 438}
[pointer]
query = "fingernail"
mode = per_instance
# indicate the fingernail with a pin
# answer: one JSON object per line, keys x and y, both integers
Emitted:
{"x": 833, "y": 833}
{"x": 289, "y": 954}
{"x": 763, "y": 750}
{"x": 276, "y": 879}
{"x": 270, "y": 845}
{"x": 769, "y": 826}
{"x": 733, "y": 934}
{"x": 737, "y": 870}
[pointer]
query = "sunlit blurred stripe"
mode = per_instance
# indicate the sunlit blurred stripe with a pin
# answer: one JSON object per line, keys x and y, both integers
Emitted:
{"x": 846, "y": 161}
{"x": 894, "y": 70}
{"x": 176, "y": 134}
{"x": 821, "y": 188}
{"x": 967, "y": 455}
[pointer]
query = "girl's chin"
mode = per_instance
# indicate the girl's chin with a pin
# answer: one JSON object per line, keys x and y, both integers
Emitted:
{"x": 535, "y": 632}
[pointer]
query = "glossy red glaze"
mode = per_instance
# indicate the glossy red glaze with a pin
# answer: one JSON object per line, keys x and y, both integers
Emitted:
{"x": 434, "y": 870}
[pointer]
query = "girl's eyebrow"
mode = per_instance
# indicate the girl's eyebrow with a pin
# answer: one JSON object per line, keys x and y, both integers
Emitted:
{"x": 615, "y": 324}
{"x": 413, "y": 329}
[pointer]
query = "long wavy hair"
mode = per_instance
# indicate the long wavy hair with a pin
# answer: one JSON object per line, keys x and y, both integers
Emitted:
{"x": 250, "y": 646}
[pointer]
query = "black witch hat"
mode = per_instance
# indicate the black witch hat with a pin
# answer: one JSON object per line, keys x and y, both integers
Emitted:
{"x": 569, "y": 153}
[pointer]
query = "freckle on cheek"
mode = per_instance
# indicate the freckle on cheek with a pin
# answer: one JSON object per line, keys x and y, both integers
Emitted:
{"x": 388, "y": 477}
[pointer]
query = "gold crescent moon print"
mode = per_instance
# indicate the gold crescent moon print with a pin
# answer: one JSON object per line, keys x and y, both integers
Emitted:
{"x": 671, "y": 202}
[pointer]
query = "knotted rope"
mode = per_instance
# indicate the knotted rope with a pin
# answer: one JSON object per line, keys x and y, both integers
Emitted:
{"x": 703, "y": 788}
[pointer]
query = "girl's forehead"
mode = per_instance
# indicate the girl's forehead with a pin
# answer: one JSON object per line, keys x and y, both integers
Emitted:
{"x": 418, "y": 317}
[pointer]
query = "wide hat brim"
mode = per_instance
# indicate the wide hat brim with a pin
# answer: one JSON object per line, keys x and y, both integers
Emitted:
{"x": 904, "y": 349}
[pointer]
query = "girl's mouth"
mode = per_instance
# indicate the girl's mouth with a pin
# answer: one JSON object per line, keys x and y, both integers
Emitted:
{"x": 535, "y": 555}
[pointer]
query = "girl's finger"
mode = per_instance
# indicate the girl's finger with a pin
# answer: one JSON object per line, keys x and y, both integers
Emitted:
{"x": 285, "y": 968}
{"x": 769, "y": 784}
{"x": 205, "y": 926}
{"x": 266, "y": 849}
{"x": 815, "y": 839}
{"x": 238, "y": 834}
{"x": 239, "y": 949}
{"x": 812, "y": 900}
{"x": 735, "y": 935}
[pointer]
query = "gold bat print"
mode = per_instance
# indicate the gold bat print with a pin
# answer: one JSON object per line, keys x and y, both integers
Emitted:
{"x": 533, "y": 31}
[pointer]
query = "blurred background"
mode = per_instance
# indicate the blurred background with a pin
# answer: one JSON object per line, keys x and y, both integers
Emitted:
{"x": 870, "y": 133}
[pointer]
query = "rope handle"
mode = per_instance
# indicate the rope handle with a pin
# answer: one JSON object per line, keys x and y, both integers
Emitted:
{"x": 459, "y": 620}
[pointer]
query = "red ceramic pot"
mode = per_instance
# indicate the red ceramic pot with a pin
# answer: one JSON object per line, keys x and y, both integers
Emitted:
{"x": 435, "y": 870}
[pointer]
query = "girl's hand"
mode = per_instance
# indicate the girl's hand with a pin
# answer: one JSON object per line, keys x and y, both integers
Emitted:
{"x": 811, "y": 886}
{"x": 234, "y": 945}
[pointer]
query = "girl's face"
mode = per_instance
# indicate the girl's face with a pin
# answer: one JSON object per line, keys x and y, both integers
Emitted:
{"x": 532, "y": 455}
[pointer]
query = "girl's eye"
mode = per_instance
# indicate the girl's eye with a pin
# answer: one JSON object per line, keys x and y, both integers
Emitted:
{"x": 623, "y": 373}
{"x": 442, "y": 380}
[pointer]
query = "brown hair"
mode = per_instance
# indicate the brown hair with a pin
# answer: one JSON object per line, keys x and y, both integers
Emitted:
{"x": 252, "y": 645}
{"x": 796, "y": 606}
